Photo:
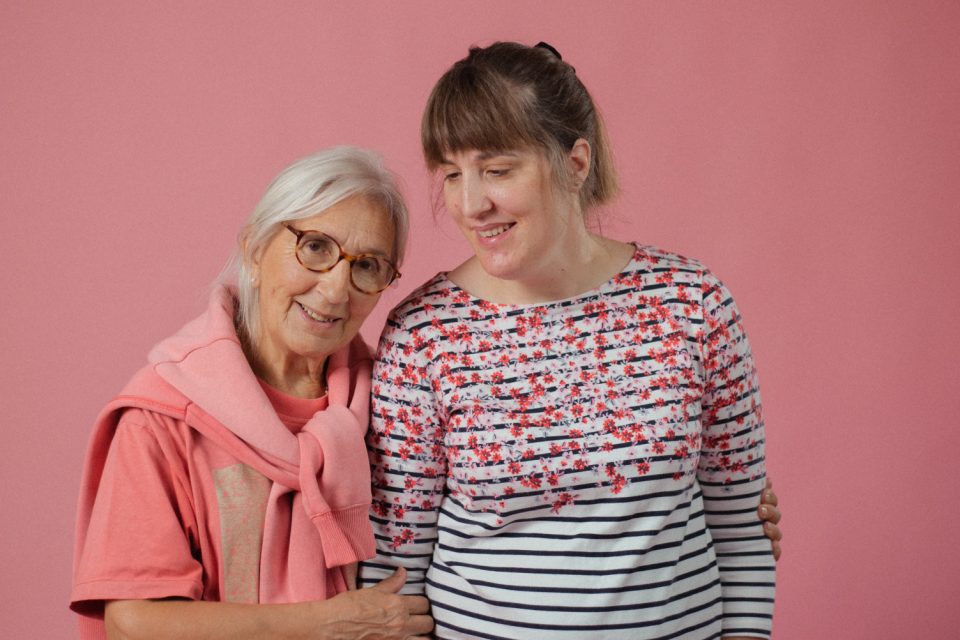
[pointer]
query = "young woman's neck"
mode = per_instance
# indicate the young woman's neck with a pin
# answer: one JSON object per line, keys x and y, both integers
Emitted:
{"x": 581, "y": 267}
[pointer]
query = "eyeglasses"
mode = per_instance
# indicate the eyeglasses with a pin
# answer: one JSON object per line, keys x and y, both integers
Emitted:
{"x": 320, "y": 253}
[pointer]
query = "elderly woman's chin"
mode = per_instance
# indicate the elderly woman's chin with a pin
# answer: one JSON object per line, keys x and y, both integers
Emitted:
{"x": 316, "y": 334}
{"x": 308, "y": 331}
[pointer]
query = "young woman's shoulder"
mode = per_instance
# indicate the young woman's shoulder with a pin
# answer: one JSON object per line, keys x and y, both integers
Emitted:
{"x": 424, "y": 302}
{"x": 656, "y": 258}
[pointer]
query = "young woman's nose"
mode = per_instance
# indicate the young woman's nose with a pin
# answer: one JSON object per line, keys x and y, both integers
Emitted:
{"x": 473, "y": 197}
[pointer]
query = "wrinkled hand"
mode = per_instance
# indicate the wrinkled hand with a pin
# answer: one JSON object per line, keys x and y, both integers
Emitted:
{"x": 770, "y": 514}
{"x": 380, "y": 613}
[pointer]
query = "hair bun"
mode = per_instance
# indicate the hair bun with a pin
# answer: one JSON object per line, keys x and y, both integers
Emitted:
{"x": 544, "y": 45}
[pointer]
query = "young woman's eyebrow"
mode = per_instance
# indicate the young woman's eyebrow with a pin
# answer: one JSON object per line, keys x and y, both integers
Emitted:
{"x": 482, "y": 156}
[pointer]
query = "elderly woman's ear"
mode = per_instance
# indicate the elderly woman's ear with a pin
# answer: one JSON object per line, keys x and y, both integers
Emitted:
{"x": 252, "y": 263}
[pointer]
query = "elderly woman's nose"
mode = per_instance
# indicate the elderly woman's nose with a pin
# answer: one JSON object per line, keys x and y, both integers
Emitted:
{"x": 335, "y": 284}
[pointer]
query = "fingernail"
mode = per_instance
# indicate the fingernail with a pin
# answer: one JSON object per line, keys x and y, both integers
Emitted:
{"x": 763, "y": 512}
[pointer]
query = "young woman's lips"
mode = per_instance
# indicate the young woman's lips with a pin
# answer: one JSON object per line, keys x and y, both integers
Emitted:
{"x": 492, "y": 234}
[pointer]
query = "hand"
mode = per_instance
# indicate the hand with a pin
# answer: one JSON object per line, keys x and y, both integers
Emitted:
{"x": 379, "y": 613}
{"x": 770, "y": 514}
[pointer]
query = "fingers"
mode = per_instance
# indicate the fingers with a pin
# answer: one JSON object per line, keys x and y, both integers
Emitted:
{"x": 768, "y": 504}
{"x": 416, "y": 604}
{"x": 772, "y": 531}
{"x": 769, "y": 514}
{"x": 417, "y": 623}
{"x": 394, "y": 583}
{"x": 382, "y": 612}
{"x": 420, "y": 625}
{"x": 768, "y": 496}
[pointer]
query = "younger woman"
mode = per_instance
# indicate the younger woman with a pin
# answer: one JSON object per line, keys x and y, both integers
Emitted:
{"x": 566, "y": 435}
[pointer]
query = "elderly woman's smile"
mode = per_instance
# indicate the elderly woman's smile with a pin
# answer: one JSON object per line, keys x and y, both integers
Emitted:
{"x": 317, "y": 316}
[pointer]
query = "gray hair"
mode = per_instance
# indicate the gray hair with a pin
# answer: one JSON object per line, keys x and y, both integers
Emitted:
{"x": 306, "y": 188}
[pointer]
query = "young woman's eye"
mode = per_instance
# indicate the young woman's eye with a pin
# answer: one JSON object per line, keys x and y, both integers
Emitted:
{"x": 498, "y": 172}
{"x": 450, "y": 175}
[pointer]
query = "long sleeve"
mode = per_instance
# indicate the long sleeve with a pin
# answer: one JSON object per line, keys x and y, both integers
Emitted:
{"x": 407, "y": 457}
{"x": 731, "y": 470}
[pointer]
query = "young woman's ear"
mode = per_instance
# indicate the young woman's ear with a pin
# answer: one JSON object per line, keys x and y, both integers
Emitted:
{"x": 578, "y": 161}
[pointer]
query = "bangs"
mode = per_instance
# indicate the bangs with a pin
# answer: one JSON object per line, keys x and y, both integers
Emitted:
{"x": 471, "y": 109}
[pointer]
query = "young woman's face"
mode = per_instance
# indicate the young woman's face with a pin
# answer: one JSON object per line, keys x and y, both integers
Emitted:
{"x": 311, "y": 315}
{"x": 509, "y": 208}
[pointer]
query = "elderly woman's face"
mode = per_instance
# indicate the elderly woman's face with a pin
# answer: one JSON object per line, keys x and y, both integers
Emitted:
{"x": 309, "y": 314}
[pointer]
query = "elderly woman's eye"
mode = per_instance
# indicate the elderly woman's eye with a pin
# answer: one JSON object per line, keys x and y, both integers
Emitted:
{"x": 368, "y": 264}
{"x": 317, "y": 246}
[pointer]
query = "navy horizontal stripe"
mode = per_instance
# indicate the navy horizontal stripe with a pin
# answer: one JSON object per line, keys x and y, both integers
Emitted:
{"x": 578, "y": 627}
{"x": 536, "y": 475}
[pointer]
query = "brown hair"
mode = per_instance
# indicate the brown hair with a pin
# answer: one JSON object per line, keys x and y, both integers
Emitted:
{"x": 509, "y": 95}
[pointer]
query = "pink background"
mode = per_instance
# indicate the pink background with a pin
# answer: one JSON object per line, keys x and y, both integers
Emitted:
{"x": 809, "y": 152}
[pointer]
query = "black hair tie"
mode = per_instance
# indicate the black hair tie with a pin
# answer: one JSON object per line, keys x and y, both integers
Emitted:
{"x": 544, "y": 45}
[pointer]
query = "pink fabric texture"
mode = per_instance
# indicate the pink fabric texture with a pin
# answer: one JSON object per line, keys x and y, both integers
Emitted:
{"x": 320, "y": 475}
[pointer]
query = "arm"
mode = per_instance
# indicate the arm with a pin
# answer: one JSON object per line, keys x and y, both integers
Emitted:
{"x": 139, "y": 559}
{"x": 375, "y": 614}
{"x": 732, "y": 469}
{"x": 407, "y": 457}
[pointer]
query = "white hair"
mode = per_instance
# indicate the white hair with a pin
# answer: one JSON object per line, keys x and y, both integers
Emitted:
{"x": 306, "y": 188}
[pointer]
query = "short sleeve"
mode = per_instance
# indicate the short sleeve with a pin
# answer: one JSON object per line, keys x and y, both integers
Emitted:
{"x": 138, "y": 543}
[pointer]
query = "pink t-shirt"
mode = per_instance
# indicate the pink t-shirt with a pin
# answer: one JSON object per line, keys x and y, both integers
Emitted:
{"x": 176, "y": 514}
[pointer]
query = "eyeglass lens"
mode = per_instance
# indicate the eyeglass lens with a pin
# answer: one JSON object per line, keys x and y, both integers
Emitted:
{"x": 320, "y": 252}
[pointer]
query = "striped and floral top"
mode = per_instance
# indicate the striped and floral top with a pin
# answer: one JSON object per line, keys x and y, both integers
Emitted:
{"x": 585, "y": 468}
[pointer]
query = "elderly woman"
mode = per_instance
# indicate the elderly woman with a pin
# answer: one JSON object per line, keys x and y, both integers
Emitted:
{"x": 226, "y": 489}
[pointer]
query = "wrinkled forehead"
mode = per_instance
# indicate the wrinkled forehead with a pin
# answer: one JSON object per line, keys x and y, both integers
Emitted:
{"x": 361, "y": 221}
{"x": 355, "y": 220}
